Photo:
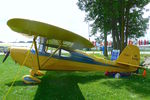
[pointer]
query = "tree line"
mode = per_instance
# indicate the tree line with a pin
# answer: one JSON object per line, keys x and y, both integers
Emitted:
{"x": 123, "y": 18}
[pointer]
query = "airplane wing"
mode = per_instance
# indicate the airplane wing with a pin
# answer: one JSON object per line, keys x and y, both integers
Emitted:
{"x": 35, "y": 28}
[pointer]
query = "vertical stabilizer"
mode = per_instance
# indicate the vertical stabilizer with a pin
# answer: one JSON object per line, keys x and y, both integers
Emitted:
{"x": 130, "y": 56}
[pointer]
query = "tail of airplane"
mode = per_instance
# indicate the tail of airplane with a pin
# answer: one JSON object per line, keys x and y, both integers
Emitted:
{"x": 130, "y": 56}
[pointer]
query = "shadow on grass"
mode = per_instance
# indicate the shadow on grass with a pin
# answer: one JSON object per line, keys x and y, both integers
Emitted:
{"x": 134, "y": 84}
{"x": 63, "y": 85}
{"x": 19, "y": 83}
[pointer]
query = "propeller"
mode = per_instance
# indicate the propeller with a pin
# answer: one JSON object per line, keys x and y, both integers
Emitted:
{"x": 7, "y": 54}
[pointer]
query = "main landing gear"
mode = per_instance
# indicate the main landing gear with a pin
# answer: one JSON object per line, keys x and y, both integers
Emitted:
{"x": 32, "y": 79}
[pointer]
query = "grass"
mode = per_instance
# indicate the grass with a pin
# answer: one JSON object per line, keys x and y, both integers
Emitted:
{"x": 61, "y": 85}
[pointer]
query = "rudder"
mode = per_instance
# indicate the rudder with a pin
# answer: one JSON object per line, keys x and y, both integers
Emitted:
{"x": 130, "y": 56}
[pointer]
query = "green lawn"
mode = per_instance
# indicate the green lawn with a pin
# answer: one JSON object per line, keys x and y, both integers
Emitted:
{"x": 58, "y": 85}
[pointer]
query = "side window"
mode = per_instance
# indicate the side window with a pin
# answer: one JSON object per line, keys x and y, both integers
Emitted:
{"x": 65, "y": 53}
{"x": 60, "y": 52}
{"x": 50, "y": 50}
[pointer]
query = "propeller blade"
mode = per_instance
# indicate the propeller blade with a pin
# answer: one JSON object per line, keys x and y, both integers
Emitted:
{"x": 7, "y": 54}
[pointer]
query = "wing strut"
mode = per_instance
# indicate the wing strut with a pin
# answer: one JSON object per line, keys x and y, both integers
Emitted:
{"x": 60, "y": 44}
{"x": 37, "y": 54}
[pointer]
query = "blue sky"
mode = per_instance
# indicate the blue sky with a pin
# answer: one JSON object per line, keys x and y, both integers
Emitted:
{"x": 62, "y": 13}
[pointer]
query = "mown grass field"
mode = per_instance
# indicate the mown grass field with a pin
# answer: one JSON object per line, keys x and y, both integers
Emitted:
{"x": 58, "y": 85}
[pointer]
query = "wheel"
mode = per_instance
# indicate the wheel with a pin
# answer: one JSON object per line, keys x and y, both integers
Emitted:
{"x": 28, "y": 79}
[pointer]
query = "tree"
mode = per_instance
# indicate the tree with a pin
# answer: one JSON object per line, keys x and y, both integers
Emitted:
{"x": 121, "y": 17}
{"x": 135, "y": 24}
{"x": 97, "y": 11}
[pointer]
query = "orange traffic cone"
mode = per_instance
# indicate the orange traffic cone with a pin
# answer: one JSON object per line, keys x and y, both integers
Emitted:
{"x": 144, "y": 73}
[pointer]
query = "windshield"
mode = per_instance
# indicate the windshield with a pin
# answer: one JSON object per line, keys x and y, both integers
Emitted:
{"x": 46, "y": 46}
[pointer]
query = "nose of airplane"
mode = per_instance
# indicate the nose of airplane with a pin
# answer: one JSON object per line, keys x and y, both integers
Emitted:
{"x": 18, "y": 54}
{"x": 8, "y": 53}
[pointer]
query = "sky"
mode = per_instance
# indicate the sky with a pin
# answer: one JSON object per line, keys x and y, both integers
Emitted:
{"x": 61, "y": 13}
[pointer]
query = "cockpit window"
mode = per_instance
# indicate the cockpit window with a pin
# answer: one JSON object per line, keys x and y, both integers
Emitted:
{"x": 65, "y": 53}
{"x": 41, "y": 44}
{"x": 50, "y": 46}
{"x": 60, "y": 52}
{"x": 51, "y": 50}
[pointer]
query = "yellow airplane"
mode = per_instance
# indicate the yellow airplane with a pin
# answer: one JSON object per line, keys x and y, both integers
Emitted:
{"x": 56, "y": 49}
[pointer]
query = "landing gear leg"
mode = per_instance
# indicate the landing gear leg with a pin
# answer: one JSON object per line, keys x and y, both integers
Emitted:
{"x": 36, "y": 73}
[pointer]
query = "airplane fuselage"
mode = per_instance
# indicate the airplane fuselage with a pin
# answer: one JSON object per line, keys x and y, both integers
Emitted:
{"x": 77, "y": 61}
